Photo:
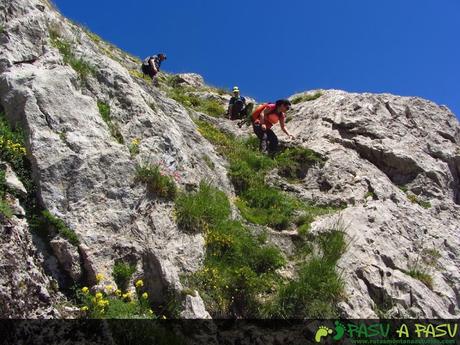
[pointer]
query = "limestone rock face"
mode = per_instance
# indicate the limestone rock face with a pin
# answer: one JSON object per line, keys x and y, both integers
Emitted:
{"x": 394, "y": 161}
{"x": 189, "y": 79}
{"x": 194, "y": 308}
{"x": 26, "y": 291}
{"x": 86, "y": 175}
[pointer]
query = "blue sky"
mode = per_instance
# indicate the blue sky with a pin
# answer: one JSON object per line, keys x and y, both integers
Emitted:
{"x": 273, "y": 49}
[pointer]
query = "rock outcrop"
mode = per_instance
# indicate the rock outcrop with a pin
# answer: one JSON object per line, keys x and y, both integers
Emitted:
{"x": 394, "y": 161}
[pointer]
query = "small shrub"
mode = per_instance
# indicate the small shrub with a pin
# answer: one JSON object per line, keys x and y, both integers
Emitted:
{"x": 157, "y": 182}
{"x": 122, "y": 273}
{"x": 197, "y": 210}
{"x": 60, "y": 227}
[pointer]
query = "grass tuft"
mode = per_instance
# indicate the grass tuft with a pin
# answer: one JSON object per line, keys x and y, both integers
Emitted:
{"x": 61, "y": 228}
{"x": 82, "y": 67}
{"x": 424, "y": 277}
{"x": 294, "y": 163}
{"x": 157, "y": 182}
{"x": 206, "y": 207}
{"x": 104, "y": 110}
{"x": 306, "y": 98}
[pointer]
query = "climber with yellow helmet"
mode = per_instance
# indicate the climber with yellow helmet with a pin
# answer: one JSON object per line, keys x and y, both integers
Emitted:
{"x": 237, "y": 107}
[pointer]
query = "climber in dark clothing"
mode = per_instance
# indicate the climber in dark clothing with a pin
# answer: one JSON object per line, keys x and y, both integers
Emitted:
{"x": 264, "y": 117}
{"x": 151, "y": 66}
{"x": 237, "y": 108}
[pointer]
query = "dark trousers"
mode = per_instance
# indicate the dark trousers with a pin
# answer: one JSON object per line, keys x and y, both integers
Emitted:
{"x": 268, "y": 139}
{"x": 238, "y": 111}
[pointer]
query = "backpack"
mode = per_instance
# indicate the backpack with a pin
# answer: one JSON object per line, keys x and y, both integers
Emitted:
{"x": 145, "y": 69}
{"x": 146, "y": 65}
{"x": 258, "y": 110}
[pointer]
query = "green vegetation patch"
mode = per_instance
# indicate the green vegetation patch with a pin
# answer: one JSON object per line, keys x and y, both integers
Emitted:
{"x": 83, "y": 68}
{"x": 5, "y": 208}
{"x": 62, "y": 229}
{"x": 185, "y": 96}
{"x": 134, "y": 147}
{"x": 318, "y": 287}
{"x": 238, "y": 267}
{"x": 140, "y": 75}
{"x": 196, "y": 211}
{"x": 240, "y": 270}
{"x": 104, "y": 110}
{"x": 110, "y": 303}
{"x": 305, "y": 98}
{"x": 295, "y": 162}
{"x": 415, "y": 200}
{"x": 12, "y": 151}
{"x": 421, "y": 275}
{"x": 258, "y": 202}
{"x": 122, "y": 274}
{"x": 157, "y": 182}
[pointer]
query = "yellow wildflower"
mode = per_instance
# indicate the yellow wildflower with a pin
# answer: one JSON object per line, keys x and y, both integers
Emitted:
{"x": 118, "y": 292}
{"x": 135, "y": 141}
{"x": 109, "y": 289}
{"x": 84, "y": 308}
{"x": 139, "y": 283}
{"x": 102, "y": 303}
{"x": 145, "y": 295}
{"x": 85, "y": 289}
{"x": 127, "y": 296}
{"x": 99, "y": 277}
{"x": 98, "y": 296}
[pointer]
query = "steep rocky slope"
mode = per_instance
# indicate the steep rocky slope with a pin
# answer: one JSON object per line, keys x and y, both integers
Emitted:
{"x": 90, "y": 119}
